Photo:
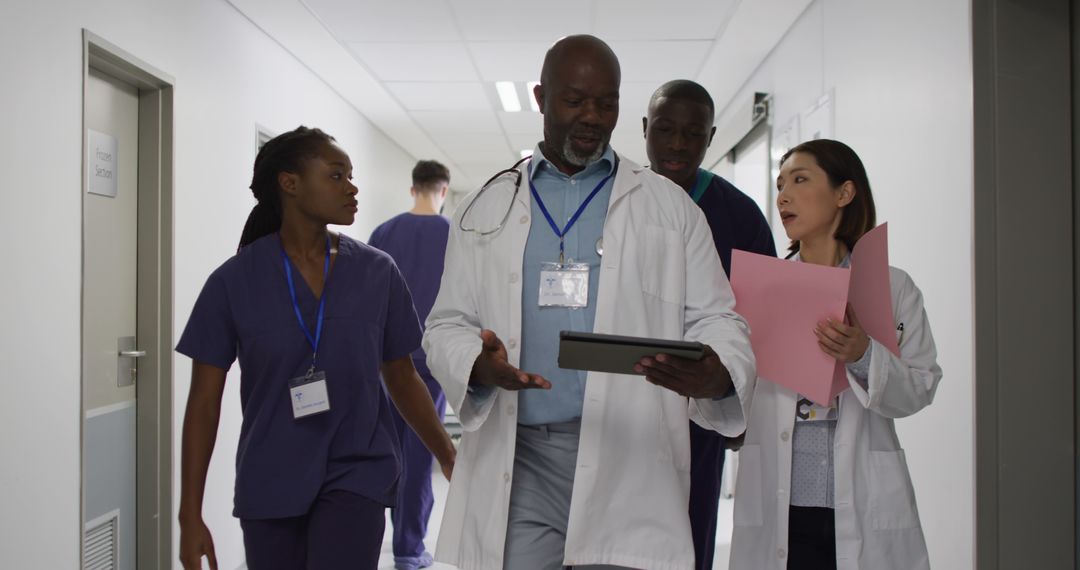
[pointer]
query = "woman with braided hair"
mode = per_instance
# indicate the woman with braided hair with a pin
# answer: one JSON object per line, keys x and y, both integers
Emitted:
{"x": 314, "y": 319}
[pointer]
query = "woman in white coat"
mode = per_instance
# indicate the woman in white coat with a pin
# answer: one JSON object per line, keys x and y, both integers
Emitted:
{"x": 828, "y": 487}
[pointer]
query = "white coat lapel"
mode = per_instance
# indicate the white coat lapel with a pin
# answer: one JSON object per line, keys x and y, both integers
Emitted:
{"x": 626, "y": 180}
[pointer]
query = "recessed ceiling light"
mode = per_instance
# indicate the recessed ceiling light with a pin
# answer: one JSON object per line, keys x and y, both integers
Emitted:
{"x": 532, "y": 98}
{"x": 508, "y": 95}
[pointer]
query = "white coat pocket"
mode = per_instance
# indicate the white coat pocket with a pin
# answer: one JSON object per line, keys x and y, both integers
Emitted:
{"x": 892, "y": 498}
{"x": 748, "y": 494}
{"x": 663, "y": 266}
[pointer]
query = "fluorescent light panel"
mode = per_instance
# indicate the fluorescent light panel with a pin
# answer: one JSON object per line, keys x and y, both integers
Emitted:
{"x": 508, "y": 96}
{"x": 529, "y": 95}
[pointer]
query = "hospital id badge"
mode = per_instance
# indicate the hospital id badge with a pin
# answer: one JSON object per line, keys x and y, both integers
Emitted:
{"x": 564, "y": 285}
{"x": 807, "y": 411}
{"x": 308, "y": 394}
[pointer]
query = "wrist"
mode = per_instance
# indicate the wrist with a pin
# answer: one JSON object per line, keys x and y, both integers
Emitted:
{"x": 476, "y": 377}
{"x": 189, "y": 515}
{"x": 448, "y": 454}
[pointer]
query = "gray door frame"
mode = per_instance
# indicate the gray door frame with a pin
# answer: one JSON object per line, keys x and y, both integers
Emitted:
{"x": 1025, "y": 284}
{"x": 154, "y": 403}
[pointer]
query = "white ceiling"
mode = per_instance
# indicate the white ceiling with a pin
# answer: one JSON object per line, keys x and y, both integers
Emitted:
{"x": 423, "y": 71}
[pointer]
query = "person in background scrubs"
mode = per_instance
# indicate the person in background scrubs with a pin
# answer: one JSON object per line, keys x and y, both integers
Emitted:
{"x": 417, "y": 241}
{"x": 678, "y": 130}
{"x": 313, "y": 317}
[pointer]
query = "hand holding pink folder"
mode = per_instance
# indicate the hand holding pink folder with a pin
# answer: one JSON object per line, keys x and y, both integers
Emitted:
{"x": 783, "y": 301}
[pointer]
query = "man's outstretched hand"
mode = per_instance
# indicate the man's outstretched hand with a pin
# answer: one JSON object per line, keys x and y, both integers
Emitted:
{"x": 493, "y": 368}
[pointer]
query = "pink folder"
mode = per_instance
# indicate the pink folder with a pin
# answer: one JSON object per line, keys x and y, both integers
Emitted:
{"x": 783, "y": 301}
{"x": 871, "y": 295}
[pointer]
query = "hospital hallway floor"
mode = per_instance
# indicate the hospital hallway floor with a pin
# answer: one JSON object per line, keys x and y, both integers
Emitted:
{"x": 441, "y": 487}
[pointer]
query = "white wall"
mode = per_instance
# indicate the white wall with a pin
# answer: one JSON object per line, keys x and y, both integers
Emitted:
{"x": 903, "y": 87}
{"x": 229, "y": 76}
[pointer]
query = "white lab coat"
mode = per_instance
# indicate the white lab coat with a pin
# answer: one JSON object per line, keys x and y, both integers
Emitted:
{"x": 660, "y": 276}
{"x": 877, "y": 522}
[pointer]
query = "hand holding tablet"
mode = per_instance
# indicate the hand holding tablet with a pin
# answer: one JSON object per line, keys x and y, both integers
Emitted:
{"x": 688, "y": 368}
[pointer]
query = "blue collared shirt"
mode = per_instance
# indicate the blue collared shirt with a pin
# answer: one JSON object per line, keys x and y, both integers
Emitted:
{"x": 562, "y": 195}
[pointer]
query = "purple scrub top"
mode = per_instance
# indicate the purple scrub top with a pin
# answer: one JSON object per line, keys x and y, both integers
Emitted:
{"x": 244, "y": 312}
{"x": 418, "y": 245}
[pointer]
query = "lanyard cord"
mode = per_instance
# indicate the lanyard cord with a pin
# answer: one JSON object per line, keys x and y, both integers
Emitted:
{"x": 573, "y": 219}
{"x": 312, "y": 340}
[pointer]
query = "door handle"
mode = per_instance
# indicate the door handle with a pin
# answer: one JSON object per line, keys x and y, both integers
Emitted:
{"x": 127, "y": 355}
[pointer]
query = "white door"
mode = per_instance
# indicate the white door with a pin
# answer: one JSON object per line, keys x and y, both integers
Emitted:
{"x": 110, "y": 217}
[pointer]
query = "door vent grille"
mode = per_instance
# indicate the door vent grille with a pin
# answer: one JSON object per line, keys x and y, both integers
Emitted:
{"x": 101, "y": 548}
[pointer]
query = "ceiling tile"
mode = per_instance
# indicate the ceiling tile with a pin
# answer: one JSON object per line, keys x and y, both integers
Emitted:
{"x": 509, "y": 61}
{"x": 381, "y": 21}
{"x": 429, "y": 96}
{"x": 478, "y": 172}
{"x": 474, "y": 148}
{"x": 524, "y": 122}
{"x": 399, "y": 61}
{"x": 634, "y": 98}
{"x": 520, "y": 142}
{"x": 660, "y": 60}
{"x": 505, "y": 20}
{"x": 464, "y": 122}
{"x": 667, "y": 20}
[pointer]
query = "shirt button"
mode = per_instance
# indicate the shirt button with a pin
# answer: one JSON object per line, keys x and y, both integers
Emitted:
{"x": 506, "y": 477}
{"x": 785, "y": 436}
{"x": 513, "y": 277}
{"x": 512, "y": 343}
{"x": 781, "y": 552}
{"x": 524, "y": 219}
{"x": 510, "y": 411}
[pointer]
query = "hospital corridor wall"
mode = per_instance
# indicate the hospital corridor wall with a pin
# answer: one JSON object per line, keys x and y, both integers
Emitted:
{"x": 230, "y": 77}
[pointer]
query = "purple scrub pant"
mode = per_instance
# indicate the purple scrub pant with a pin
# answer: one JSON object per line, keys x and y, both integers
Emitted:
{"x": 706, "y": 469}
{"x": 342, "y": 530}
{"x": 414, "y": 499}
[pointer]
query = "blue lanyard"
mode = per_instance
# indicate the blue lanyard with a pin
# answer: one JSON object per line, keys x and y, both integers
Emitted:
{"x": 312, "y": 340}
{"x": 577, "y": 214}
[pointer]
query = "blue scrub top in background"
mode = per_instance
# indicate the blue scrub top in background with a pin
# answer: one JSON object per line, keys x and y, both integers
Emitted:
{"x": 735, "y": 220}
{"x": 244, "y": 312}
{"x": 418, "y": 245}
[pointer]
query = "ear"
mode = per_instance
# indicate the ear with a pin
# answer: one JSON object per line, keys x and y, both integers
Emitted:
{"x": 712, "y": 133}
{"x": 412, "y": 191}
{"x": 645, "y": 126}
{"x": 289, "y": 182}
{"x": 445, "y": 189}
{"x": 847, "y": 194}
{"x": 538, "y": 94}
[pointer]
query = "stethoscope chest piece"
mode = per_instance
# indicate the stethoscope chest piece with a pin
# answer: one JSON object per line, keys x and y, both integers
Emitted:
{"x": 600, "y": 247}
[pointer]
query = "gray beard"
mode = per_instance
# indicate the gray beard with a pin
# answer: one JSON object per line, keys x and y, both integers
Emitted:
{"x": 578, "y": 160}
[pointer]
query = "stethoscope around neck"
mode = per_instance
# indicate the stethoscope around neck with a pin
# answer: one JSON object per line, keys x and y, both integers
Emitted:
{"x": 514, "y": 170}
